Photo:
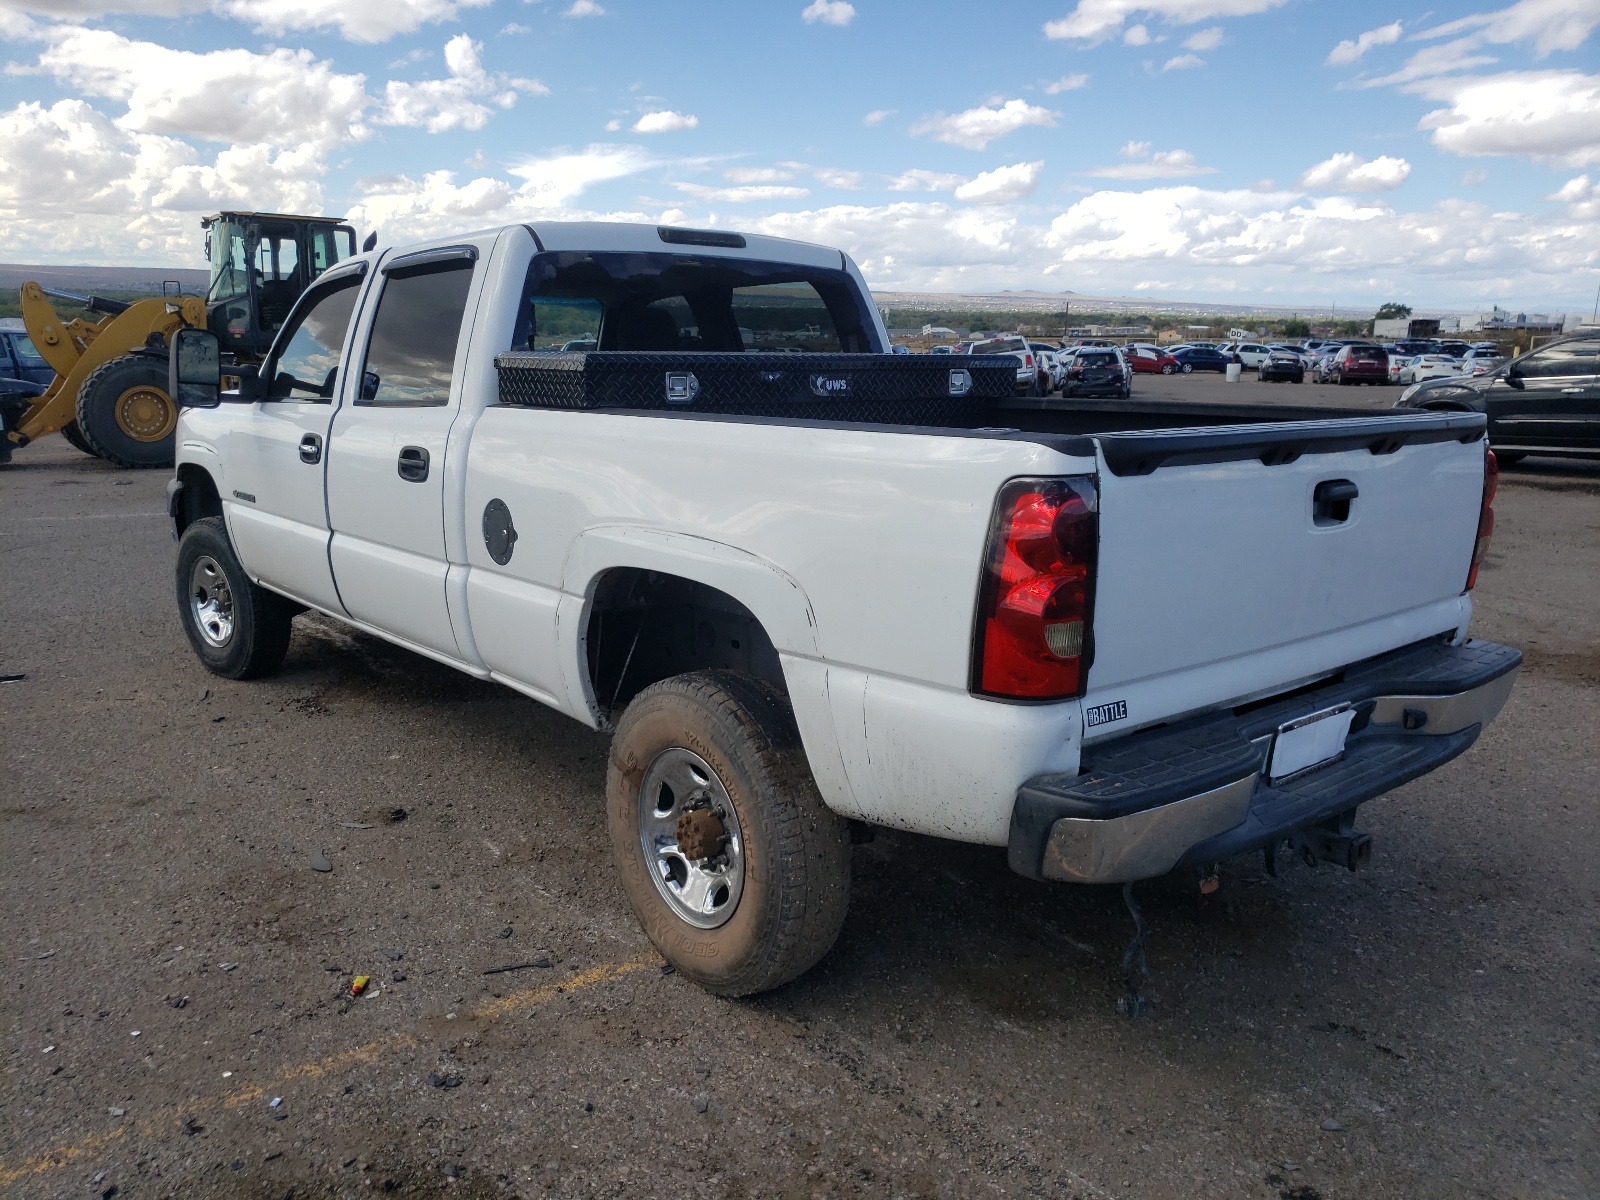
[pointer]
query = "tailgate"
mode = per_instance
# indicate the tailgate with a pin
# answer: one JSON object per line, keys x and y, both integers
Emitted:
{"x": 1229, "y": 570}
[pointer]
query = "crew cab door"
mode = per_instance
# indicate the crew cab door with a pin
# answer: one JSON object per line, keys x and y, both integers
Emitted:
{"x": 278, "y": 514}
{"x": 1558, "y": 402}
{"x": 386, "y": 453}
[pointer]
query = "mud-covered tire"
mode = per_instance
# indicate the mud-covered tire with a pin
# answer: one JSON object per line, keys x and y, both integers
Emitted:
{"x": 257, "y": 633}
{"x": 134, "y": 389}
{"x": 74, "y": 435}
{"x": 796, "y": 853}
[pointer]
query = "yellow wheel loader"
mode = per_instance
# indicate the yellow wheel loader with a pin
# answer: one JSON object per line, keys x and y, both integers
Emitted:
{"x": 109, "y": 397}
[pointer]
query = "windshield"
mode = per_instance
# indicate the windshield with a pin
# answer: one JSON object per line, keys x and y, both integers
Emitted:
{"x": 229, "y": 275}
{"x": 678, "y": 302}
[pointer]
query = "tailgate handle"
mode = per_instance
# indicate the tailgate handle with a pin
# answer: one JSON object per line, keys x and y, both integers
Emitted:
{"x": 1330, "y": 502}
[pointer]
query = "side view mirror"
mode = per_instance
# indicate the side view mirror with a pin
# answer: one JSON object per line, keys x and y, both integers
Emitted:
{"x": 194, "y": 369}
{"x": 1514, "y": 377}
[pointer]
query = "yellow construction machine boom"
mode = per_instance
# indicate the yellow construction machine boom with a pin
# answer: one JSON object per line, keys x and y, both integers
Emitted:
{"x": 110, "y": 386}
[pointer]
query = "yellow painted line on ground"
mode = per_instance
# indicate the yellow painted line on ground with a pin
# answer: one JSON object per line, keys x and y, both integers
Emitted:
{"x": 166, "y": 1120}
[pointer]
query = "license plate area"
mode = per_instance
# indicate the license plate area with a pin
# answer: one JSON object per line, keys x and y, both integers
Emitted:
{"x": 1308, "y": 743}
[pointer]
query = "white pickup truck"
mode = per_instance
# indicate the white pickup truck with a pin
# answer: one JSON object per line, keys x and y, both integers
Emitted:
{"x": 806, "y": 583}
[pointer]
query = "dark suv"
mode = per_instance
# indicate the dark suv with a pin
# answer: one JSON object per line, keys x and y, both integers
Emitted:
{"x": 1544, "y": 402}
{"x": 1095, "y": 371}
{"x": 18, "y": 357}
{"x": 1358, "y": 363}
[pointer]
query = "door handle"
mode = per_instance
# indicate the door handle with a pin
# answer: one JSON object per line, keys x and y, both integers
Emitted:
{"x": 1330, "y": 501}
{"x": 1573, "y": 391}
{"x": 311, "y": 449}
{"x": 413, "y": 464}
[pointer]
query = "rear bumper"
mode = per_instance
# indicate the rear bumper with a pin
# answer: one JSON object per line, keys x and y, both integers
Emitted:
{"x": 1197, "y": 793}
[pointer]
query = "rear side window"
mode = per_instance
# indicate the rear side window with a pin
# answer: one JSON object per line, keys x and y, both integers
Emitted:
{"x": 1574, "y": 358}
{"x": 309, "y": 363}
{"x": 411, "y": 354}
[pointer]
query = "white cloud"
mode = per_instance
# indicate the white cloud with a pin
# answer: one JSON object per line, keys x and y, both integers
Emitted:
{"x": 454, "y": 102}
{"x": 1001, "y": 185}
{"x": 1272, "y": 247}
{"x": 878, "y": 115}
{"x": 742, "y": 195}
{"x": 283, "y": 97}
{"x": 1351, "y": 173}
{"x": 1444, "y": 59}
{"x": 77, "y": 183}
{"x": 1550, "y": 115}
{"x": 1183, "y": 62}
{"x": 1096, "y": 20}
{"x": 1581, "y": 197}
{"x": 664, "y": 121}
{"x": 757, "y": 174}
{"x": 1474, "y": 177}
{"x": 837, "y": 177}
{"x": 1550, "y": 24}
{"x": 1351, "y": 49}
{"x": 1206, "y": 39}
{"x": 558, "y": 179}
{"x": 1163, "y": 164}
{"x": 515, "y": 27}
{"x": 1136, "y": 35}
{"x": 584, "y": 8}
{"x": 613, "y": 125}
{"x": 357, "y": 20}
{"x": 919, "y": 180}
{"x": 975, "y": 128}
{"x": 829, "y": 12}
{"x": 1067, "y": 83}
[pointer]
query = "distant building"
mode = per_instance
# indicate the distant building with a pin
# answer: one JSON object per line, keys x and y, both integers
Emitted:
{"x": 1407, "y": 327}
{"x": 938, "y": 331}
{"x": 1499, "y": 320}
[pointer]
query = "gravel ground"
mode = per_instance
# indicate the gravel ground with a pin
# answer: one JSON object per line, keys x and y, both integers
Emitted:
{"x": 176, "y": 1010}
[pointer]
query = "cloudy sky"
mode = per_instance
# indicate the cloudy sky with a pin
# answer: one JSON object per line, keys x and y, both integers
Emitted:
{"x": 1281, "y": 151}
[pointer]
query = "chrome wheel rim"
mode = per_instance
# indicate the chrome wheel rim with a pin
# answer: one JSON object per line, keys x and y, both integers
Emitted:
{"x": 211, "y": 602}
{"x": 681, "y": 798}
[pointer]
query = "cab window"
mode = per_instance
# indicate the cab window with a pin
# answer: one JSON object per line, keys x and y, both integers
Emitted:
{"x": 308, "y": 367}
{"x": 411, "y": 354}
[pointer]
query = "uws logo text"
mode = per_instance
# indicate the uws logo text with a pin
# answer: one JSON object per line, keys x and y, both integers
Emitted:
{"x": 830, "y": 385}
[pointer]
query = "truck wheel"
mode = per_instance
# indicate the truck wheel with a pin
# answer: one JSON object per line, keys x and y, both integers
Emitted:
{"x": 125, "y": 414}
{"x": 737, "y": 870}
{"x": 73, "y": 434}
{"x": 239, "y": 630}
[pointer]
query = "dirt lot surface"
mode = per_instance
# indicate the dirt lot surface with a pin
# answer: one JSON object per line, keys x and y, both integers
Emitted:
{"x": 176, "y": 1012}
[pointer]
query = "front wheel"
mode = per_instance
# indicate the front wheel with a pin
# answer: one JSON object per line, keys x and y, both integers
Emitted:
{"x": 738, "y": 872}
{"x": 238, "y": 630}
{"x": 1187, "y": 368}
{"x": 1168, "y": 369}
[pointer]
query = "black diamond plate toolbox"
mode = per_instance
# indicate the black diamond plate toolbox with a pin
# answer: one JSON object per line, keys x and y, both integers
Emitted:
{"x": 893, "y": 389}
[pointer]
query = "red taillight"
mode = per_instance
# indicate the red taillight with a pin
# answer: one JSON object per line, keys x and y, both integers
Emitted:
{"x": 1027, "y": 360}
{"x": 1034, "y": 605}
{"x": 1480, "y": 548}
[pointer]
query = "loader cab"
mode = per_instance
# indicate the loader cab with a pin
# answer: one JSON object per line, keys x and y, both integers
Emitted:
{"x": 260, "y": 263}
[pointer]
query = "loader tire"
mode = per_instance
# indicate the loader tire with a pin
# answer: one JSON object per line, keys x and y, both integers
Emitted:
{"x": 125, "y": 414}
{"x": 73, "y": 434}
{"x": 238, "y": 630}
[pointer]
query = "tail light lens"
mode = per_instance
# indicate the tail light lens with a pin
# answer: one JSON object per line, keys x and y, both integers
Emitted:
{"x": 1480, "y": 548}
{"x": 1037, "y": 594}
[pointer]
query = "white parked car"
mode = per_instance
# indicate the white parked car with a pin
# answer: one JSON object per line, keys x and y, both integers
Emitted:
{"x": 1481, "y": 360}
{"x": 1251, "y": 354}
{"x": 754, "y": 571}
{"x": 1428, "y": 366}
